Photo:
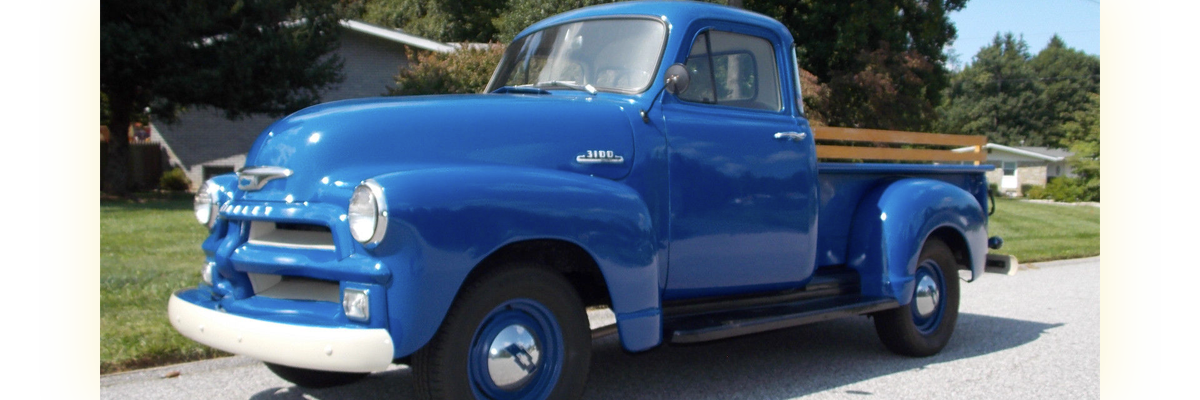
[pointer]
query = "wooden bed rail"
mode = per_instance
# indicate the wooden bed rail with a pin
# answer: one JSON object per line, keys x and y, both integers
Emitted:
{"x": 839, "y": 152}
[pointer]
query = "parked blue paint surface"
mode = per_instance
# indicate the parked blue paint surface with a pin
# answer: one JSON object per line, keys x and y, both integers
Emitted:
{"x": 639, "y": 196}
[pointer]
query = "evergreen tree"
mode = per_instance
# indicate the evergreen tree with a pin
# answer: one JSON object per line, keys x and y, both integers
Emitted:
{"x": 998, "y": 95}
{"x": 1083, "y": 134}
{"x": 244, "y": 57}
{"x": 1070, "y": 78}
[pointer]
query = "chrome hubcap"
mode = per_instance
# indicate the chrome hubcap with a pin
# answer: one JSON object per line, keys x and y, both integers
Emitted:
{"x": 513, "y": 357}
{"x": 927, "y": 296}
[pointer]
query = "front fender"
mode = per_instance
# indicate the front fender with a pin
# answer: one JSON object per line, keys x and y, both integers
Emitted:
{"x": 444, "y": 220}
{"x": 893, "y": 221}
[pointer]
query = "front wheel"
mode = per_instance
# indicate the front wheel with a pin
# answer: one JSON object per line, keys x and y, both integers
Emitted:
{"x": 519, "y": 332}
{"x": 923, "y": 327}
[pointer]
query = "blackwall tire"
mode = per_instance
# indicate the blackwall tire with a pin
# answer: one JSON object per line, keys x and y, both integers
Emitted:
{"x": 518, "y": 332}
{"x": 924, "y": 326}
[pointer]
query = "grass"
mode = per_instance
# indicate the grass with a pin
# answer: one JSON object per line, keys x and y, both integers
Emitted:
{"x": 1041, "y": 232}
{"x": 150, "y": 249}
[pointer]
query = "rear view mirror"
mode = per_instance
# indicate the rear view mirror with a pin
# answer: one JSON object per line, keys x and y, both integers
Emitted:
{"x": 677, "y": 79}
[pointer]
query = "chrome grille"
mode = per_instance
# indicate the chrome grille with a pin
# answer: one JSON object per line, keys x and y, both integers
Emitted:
{"x": 290, "y": 235}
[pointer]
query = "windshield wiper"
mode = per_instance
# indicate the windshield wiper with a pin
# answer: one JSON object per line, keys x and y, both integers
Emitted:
{"x": 566, "y": 84}
{"x": 523, "y": 89}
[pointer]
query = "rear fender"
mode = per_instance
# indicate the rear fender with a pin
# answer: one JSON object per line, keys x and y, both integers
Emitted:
{"x": 443, "y": 221}
{"x": 893, "y": 221}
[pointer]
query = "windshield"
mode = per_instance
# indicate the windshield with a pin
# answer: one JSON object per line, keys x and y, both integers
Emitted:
{"x": 617, "y": 55}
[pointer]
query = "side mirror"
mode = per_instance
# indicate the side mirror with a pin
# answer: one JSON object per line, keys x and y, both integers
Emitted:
{"x": 677, "y": 79}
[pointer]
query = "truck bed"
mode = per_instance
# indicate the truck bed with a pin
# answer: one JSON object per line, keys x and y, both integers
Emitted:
{"x": 843, "y": 184}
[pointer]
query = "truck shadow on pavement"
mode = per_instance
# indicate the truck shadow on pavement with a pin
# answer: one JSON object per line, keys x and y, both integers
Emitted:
{"x": 773, "y": 365}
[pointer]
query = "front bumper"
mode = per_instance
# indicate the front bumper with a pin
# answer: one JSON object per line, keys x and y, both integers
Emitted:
{"x": 318, "y": 348}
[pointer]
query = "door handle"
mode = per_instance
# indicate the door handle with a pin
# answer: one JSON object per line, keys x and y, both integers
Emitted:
{"x": 796, "y": 136}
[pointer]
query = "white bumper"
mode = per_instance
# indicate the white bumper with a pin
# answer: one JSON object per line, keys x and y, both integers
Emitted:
{"x": 325, "y": 349}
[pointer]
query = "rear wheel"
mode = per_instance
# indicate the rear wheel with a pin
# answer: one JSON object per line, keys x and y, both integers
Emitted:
{"x": 517, "y": 333}
{"x": 923, "y": 327}
{"x": 314, "y": 379}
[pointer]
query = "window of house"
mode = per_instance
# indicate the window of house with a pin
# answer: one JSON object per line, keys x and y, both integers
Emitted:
{"x": 1010, "y": 168}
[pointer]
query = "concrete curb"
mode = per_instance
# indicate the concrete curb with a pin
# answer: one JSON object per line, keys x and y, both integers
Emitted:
{"x": 1060, "y": 263}
{"x": 1082, "y": 203}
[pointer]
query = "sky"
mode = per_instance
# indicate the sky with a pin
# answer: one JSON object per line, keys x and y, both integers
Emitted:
{"x": 1077, "y": 22}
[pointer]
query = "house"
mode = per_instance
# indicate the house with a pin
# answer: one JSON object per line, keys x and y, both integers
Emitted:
{"x": 1019, "y": 166}
{"x": 205, "y": 144}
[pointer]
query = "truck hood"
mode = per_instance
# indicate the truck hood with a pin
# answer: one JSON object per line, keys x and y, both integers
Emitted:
{"x": 333, "y": 146}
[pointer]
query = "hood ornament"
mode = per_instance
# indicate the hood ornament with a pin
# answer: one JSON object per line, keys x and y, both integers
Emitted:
{"x": 255, "y": 178}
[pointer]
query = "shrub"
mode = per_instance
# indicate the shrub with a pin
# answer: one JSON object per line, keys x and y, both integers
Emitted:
{"x": 1067, "y": 189}
{"x": 174, "y": 180}
{"x": 464, "y": 71}
{"x": 994, "y": 188}
{"x": 1025, "y": 189}
{"x": 1036, "y": 192}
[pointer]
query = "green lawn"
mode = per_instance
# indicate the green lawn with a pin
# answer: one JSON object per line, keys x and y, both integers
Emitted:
{"x": 147, "y": 251}
{"x": 1041, "y": 232}
{"x": 150, "y": 249}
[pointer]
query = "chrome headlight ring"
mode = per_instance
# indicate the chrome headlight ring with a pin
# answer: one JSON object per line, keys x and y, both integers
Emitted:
{"x": 206, "y": 202}
{"x": 367, "y": 213}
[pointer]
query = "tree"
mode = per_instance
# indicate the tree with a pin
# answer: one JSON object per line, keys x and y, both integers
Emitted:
{"x": 1016, "y": 99}
{"x": 881, "y": 60}
{"x": 464, "y": 71}
{"x": 815, "y": 95}
{"x": 998, "y": 95}
{"x": 1051, "y": 100}
{"x": 520, "y": 14}
{"x": 467, "y": 20}
{"x": 244, "y": 57}
{"x": 1083, "y": 133}
{"x": 1070, "y": 78}
{"x": 443, "y": 20}
{"x": 888, "y": 93}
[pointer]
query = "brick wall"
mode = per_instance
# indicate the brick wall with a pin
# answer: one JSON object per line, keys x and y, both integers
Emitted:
{"x": 1030, "y": 175}
{"x": 1035, "y": 176}
{"x": 994, "y": 176}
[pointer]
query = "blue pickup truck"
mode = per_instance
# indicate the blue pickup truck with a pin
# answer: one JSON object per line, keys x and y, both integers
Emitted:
{"x": 652, "y": 158}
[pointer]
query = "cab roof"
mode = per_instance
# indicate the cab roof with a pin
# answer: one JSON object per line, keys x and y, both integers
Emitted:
{"x": 677, "y": 14}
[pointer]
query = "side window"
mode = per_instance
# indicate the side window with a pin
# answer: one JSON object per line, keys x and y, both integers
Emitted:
{"x": 700, "y": 90}
{"x": 733, "y": 69}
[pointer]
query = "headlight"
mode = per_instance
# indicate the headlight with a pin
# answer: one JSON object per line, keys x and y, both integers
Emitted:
{"x": 206, "y": 272}
{"x": 205, "y": 204}
{"x": 356, "y": 304}
{"x": 368, "y": 213}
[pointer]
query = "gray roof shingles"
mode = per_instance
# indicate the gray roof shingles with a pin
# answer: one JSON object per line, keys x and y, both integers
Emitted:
{"x": 205, "y": 135}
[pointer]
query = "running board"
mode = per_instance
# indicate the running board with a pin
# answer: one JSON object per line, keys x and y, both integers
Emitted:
{"x": 693, "y": 328}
